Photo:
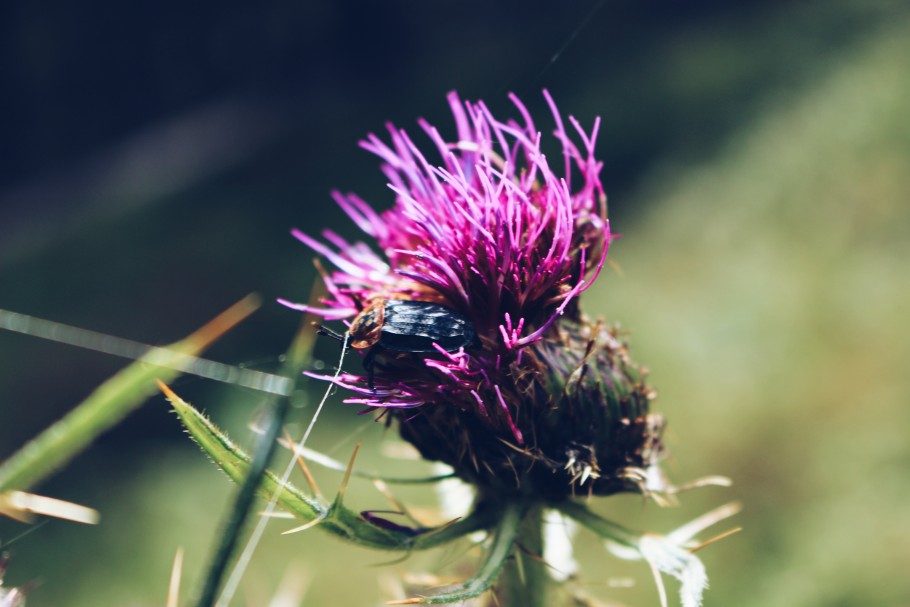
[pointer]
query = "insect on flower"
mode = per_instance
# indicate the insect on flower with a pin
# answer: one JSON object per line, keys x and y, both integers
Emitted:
{"x": 417, "y": 327}
{"x": 466, "y": 305}
{"x": 489, "y": 241}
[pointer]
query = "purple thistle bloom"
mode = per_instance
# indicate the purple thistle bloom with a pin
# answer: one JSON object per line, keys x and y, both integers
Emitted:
{"x": 489, "y": 229}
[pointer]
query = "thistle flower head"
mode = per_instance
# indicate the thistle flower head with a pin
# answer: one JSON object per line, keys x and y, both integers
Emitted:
{"x": 488, "y": 226}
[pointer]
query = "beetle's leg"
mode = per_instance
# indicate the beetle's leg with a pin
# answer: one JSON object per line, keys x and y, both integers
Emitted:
{"x": 369, "y": 365}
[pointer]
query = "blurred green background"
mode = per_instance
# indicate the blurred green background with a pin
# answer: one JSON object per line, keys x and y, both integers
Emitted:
{"x": 757, "y": 157}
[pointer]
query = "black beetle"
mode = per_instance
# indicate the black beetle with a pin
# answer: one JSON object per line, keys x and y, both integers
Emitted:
{"x": 398, "y": 325}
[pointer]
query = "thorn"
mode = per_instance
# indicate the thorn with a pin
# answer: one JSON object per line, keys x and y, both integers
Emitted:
{"x": 411, "y": 601}
{"x": 168, "y": 393}
{"x": 305, "y": 526}
{"x": 173, "y": 591}
{"x": 301, "y": 463}
{"x": 347, "y": 475}
{"x": 696, "y": 526}
{"x": 535, "y": 557}
{"x": 225, "y": 321}
{"x": 301, "y": 348}
{"x": 705, "y": 481}
{"x": 715, "y": 539}
{"x": 383, "y": 488}
{"x": 661, "y": 589}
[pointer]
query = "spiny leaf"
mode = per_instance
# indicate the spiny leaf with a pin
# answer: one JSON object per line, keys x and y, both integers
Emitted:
{"x": 336, "y": 519}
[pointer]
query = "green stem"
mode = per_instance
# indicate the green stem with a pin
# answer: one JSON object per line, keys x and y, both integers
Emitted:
{"x": 524, "y": 580}
{"x": 497, "y": 556}
{"x": 298, "y": 357}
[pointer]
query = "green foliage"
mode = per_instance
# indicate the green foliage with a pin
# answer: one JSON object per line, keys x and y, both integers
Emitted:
{"x": 109, "y": 404}
{"x": 334, "y": 518}
{"x": 495, "y": 557}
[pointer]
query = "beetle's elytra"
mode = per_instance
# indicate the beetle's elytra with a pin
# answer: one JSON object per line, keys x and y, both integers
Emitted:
{"x": 410, "y": 326}
{"x": 407, "y": 326}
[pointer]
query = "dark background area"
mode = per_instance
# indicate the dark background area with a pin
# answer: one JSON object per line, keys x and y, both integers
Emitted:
{"x": 155, "y": 155}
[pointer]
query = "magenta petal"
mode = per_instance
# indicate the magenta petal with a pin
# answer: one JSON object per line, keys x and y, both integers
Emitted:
{"x": 485, "y": 224}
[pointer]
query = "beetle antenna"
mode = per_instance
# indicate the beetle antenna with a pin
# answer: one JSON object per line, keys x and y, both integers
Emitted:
{"x": 321, "y": 330}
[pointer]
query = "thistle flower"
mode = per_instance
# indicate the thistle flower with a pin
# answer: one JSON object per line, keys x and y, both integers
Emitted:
{"x": 547, "y": 403}
{"x": 466, "y": 309}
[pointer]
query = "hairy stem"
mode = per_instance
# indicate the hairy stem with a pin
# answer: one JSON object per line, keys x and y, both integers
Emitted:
{"x": 499, "y": 555}
{"x": 524, "y": 580}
